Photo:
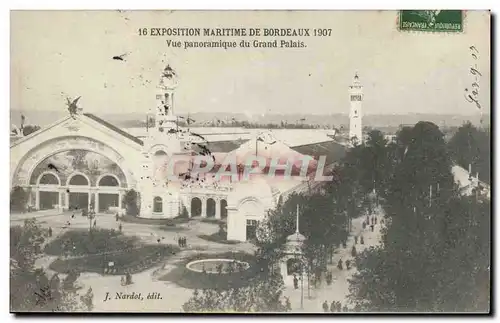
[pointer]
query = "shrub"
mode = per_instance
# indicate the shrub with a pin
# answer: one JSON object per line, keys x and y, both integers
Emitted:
{"x": 18, "y": 199}
{"x": 183, "y": 213}
{"x": 130, "y": 201}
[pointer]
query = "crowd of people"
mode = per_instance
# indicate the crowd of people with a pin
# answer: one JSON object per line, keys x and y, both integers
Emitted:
{"x": 336, "y": 306}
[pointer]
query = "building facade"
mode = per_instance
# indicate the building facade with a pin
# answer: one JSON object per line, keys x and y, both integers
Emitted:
{"x": 84, "y": 162}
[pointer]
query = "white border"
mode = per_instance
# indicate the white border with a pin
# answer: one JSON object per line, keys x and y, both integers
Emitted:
{"x": 184, "y": 4}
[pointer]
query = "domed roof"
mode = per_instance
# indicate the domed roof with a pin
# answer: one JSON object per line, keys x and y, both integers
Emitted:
{"x": 294, "y": 243}
{"x": 296, "y": 237}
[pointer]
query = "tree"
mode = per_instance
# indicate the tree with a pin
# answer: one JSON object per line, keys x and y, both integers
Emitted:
{"x": 184, "y": 213}
{"x": 470, "y": 145}
{"x": 31, "y": 289}
{"x": 435, "y": 253}
{"x": 263, "y": 294}
{"x": 18, "y": 199}
{"x": 29, "y": 129}
{"x": 130, "y": 201}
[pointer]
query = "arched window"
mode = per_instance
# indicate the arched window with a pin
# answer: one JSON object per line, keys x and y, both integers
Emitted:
{"x": 158, "y": 205}
{"x": 108, "y": 181}
{"x": 49, "y": 179}
{"x": 78, "y": 180}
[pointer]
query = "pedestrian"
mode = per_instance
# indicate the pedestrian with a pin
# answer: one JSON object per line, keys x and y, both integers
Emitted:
{"x": 339, "y": 307}
{"x": 348, "y": 264}
{"x": 116, "y": 216}
{"x": 329, "y": 278}
{"x": 364, "y": 225}
{"x": 367, "y": 219}
{"x": 318, "y": 275}
{"x": 325, "y": 306}
{"x": 288, "y": 305}
{"x": 122, "y": 281}
{"x": 95, "y": 223}
{"x": 128, "y": 278}
{"x": 375, "y": 220}
{"x": 362, "y": 240}
{"x": 333, "y": 307}
{"x": 120, "y": 227}
{"x": 355, "y": 240}
{"x": 50, "y": 232}
{"x": 382, "y": 221}
{"x": 339, "y": 265}
{"x": 179, "y": 241}
{"x": 295, "y": 282}
{"x": 353, "y": 251}
{"x": 372, "y": 227}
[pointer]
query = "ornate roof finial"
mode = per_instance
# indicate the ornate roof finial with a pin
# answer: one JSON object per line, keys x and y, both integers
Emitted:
{"x": 168, "y": 72}
{"x": 356, "y": 77}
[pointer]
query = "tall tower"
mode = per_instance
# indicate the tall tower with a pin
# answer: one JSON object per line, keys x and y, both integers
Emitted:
{"x": 161, "y": 144}
{"x": 356, "y": 114}
{"x": 165, "y": 119}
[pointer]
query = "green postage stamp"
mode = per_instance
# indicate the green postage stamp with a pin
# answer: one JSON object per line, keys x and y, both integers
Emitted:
{"x": 431, "y": 20}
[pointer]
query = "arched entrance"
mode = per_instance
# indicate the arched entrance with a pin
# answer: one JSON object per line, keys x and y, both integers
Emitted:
{"x": 158, "y": 205}
{"x": 195, "y": 207}
{"x": 77, "y": 179}
{"x": 48, "y": 197}
{"x": 79, "y": 189}
{"x": 109, "y": 194}
{"x": 223, "y": 210}
{"x": 210, "y": 208}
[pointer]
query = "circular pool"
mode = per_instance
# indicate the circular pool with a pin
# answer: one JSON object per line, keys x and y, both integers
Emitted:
{"x": 215, "y": 266}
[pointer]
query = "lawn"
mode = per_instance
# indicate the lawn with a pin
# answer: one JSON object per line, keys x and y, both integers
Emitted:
{"x": 186, "y": 278}
{"x": 218, "y": 237}
{"x": 132, "y": 260}
{"x": 83, "y": 242}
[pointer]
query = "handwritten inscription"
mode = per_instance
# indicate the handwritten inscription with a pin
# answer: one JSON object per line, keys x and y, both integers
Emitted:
{"x": 472, "y": 93}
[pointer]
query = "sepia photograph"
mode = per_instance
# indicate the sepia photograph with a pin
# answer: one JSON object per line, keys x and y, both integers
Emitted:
{"x": 329, "y": 162}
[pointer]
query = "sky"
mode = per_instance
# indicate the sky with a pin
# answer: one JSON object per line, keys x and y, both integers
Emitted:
{"x": 55, "y": 54}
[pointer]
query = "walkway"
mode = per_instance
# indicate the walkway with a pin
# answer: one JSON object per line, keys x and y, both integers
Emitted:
{"x": 339, "y": 289}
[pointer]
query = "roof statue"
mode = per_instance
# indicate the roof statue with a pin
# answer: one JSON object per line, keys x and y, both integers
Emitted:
{"x": 72, "y": 106}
